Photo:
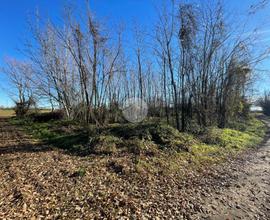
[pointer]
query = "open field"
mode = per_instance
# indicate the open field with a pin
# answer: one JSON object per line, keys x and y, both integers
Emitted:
{"x": 6, "y": 113}
{"x": 10, "y": 112}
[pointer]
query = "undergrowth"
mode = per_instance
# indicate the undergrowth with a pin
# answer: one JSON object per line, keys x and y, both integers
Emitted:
{"x": 156, "y": 147}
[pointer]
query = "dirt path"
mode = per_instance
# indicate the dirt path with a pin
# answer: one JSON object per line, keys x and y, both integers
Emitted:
{"x": 40, "y": 183}
{"x": 247, "y": 196}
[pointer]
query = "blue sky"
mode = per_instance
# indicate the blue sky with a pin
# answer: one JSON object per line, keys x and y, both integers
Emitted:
{"x": 14, "y": 15}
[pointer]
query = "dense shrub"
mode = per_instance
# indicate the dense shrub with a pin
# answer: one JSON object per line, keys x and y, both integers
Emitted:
{"x": 47, "y": 116}
{"x": 163, "y": 135}
{"x": 22, "y": 108}
{"x": 211, "y": 135}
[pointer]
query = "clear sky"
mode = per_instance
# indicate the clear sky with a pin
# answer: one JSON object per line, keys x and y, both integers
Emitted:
{"x": 14, "y": 15}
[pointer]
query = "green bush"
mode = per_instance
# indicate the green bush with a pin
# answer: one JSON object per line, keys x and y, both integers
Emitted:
{"x": 104, "y": 144}
{"x": 162, "y": 135}
{"x": 211, "y": 135}
{"x": 236, "y": 139}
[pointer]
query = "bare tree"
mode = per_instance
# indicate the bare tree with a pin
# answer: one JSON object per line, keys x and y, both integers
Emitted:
{"x": 19, "y": 74}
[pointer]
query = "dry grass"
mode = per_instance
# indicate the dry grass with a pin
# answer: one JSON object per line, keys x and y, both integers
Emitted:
{"x": 7, "y": 112}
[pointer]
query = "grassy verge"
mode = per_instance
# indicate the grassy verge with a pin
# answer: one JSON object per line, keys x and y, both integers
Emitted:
{"x": 62, "y": 134}
{"x": 213, "y": 146}
{"x": 155, "y": 148}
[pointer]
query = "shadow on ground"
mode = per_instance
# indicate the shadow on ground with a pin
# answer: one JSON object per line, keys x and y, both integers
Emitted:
{"x": 24, "y": 148}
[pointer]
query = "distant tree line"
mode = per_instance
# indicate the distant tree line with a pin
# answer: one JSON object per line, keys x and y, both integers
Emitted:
{"x": 193, "y": 66}
{"x": 264, "y": 103}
